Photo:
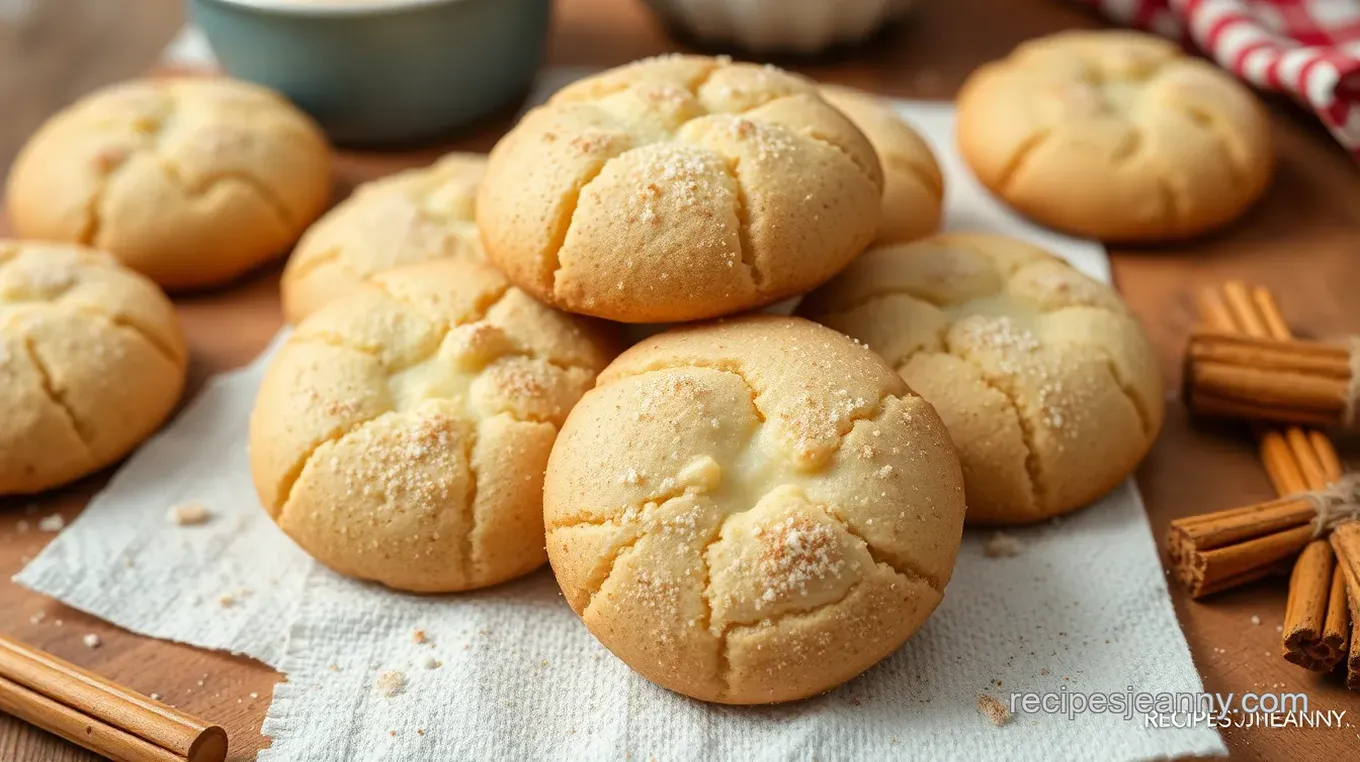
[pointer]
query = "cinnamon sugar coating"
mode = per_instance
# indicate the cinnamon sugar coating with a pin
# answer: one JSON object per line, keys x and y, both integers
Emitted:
{"x": 401, "y": 433}
{"x": 679, "y": 188}
{"x": 402, "y": 219}
{"x": 1048, "y": 385}
{"x": 753, "y": 510}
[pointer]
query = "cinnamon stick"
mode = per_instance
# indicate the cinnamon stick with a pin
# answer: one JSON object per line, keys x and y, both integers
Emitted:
{"x": 1266, "y": 379}
{"x": 102, "y": 716}
{"x": 1353, "y": 663}
{"x": 1336, "y": 628}
{"x": 1315, "y": 623}
{"x": 1345, "y": 542}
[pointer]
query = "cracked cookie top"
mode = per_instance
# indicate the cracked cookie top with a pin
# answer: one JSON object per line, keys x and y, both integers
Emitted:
{"x": 401, "y": 433}
{"x": 1115, "y": 135}
{"x": 410, "y": 217}
{"x": 752, "y": 511}
{"x": 1048, "y": 385}
{"x": 190, "y": 181}
{"x": 913, "y": 186}
{"x": 679, "y": 188}
{"x": 91, "y": 362}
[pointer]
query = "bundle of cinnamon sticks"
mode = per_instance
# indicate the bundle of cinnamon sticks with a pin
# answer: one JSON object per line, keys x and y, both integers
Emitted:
{"x": 1247, "y": 364}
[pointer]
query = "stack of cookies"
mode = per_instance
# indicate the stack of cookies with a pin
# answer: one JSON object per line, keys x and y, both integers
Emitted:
{"x": 746, "y": 508}
{"x": 746, "y": 511}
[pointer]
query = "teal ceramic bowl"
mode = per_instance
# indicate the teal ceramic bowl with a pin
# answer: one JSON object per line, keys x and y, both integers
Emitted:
{"x": 382, "y": 71}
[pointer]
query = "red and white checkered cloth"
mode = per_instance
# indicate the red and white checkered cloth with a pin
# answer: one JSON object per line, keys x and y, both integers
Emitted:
{"x": 1309, "y": 49}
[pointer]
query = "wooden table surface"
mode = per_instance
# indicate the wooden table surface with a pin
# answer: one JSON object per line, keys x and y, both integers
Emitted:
{"x": 1303, "y": 240}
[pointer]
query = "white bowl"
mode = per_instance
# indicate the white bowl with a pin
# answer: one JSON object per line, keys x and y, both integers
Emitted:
{"x": 780, "y": 26}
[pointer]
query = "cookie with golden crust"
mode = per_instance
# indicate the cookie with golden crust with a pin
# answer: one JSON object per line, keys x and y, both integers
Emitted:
{"x": 189, "y": 181}
{"x": 1049, "y": 386}
{"x": 1115, "y": 135}
{"x": 679, "y": 188}
{"x": 913, "y": 186}
{"x": 401, "y": 433}
{"x": 752, "y": 511}
{"x": 92, "y": 361}
{"x": 402, "y": 219}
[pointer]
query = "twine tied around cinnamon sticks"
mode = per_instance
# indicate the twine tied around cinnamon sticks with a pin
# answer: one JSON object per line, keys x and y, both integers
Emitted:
{"x": 1247, "y": 364}
{"x": 1338, "y": 502}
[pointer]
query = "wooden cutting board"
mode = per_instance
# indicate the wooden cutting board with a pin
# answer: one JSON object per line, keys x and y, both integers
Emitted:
{"x": 1303, "y": 240}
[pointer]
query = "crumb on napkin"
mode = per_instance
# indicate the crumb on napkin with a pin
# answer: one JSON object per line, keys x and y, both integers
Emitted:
{"x": 390, "y": 683}
{"x": 1002, "y": 545}
{"x": 993, "y": 709}
{"x": 188, "y": 514}
{"x": 52, "y": 523}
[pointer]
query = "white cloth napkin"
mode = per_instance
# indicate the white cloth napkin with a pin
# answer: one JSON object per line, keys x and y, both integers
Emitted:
{"x": 510, "y": 672}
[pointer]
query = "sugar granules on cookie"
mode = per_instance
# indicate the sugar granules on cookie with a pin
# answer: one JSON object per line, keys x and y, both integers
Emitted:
{"x": 993, "y": 709}
{"x": 390, "y": 683}
{"x": 91, "y": 641}
{"x": 1002, "y": 545}
{"x": 190, "y": 513}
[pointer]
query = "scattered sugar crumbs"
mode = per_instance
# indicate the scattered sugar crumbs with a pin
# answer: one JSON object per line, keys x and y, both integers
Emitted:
{"x": 993, "y": 709}
{"x": 191, "y": 513}
{"x": 92, "y": 641}
{"x": 1002, "y": 545}
{"x": 390, "y": 683}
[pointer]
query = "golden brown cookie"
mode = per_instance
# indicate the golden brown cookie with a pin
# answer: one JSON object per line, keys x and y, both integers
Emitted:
{"x": 1115, "y": 135}
{"x": 190, "y": 181}
{"x": 752, "y": 511}
{"x": 913, "y": 187}
{"x": 1048, "y": 385}
{"x": 679, "y": 188}
{"x": 410, "y": 217}
{"x": 401, "y": 433}
{"x": 91, "y": 362}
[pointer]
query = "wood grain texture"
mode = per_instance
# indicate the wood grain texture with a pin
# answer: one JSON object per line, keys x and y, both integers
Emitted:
{"x": 1303, "y": 240}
